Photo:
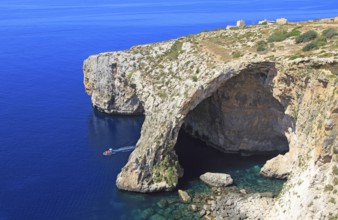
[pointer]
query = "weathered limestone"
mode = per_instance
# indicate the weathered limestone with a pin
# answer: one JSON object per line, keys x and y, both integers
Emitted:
{"x": 291, "y": 99}
{"x": 217, "y": 179}
{"x": 108, "y": 87}
{"x": 242, "y": 116}
{"x": 239, "y": 206}
{"x": 184, "y": 196}
{"x": 278, "y": 167}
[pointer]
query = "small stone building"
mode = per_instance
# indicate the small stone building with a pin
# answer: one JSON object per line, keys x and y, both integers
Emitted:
{"x": 282, "y": 21}
{"x": 240, "y": 23}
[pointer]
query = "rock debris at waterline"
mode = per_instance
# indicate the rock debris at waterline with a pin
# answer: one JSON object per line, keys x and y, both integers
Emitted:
{"x": 217, "y": 179}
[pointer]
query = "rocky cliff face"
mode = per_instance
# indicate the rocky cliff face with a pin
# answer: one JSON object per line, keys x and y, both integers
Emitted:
{"x": 236, "y": 101}
{"x": 108, "y": 87}
{"x": 242, "y": 115}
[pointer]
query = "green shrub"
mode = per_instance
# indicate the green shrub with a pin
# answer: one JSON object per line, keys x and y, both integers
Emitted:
{"x": 306, "y": 37}
{"x": 162, "y": 94}
{"x": 261, "y": 46}
{"x": 294, "y": 32}
{"x": 234, "y": 28}
{"x": 335, "y": 170}
{"x": 310, "y": 46}
{"x": 332, "y": 200}
{"x": 328, "y": 188}
{"x": 333, "y": 217}
{"x": 335, "y": 181}
{"x": 174, "y": 51}
{"x": 295, "y": 56}
{"x": 321, "y": 41}
{"x": 129, "y": 75}
{"x": 278, "y": 35}
{"x": 236, "y": 54}
{"x": 330, "y": 32}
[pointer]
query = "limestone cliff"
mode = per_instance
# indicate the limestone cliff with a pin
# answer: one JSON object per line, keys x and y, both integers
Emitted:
{"x": 240, "y": 91}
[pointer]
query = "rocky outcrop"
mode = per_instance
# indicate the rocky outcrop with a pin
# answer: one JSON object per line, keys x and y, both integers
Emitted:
{"x": 278, "y": 167}
{"x": 109, "y": 87}
{"x": 236, "y": 206}
{"x": 272, "y": 99}
{"x": 184, "y": 196}
{"x": 217, "y": 179}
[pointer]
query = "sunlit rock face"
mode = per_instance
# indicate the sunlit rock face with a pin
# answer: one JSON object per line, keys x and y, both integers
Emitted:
{"x": 241, "y": 116}
{"x": 106, "y": 82}
{"x": 235, "y": 104}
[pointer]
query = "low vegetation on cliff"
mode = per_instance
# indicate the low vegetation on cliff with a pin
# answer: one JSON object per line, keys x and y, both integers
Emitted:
{"x": 295, "y": 63}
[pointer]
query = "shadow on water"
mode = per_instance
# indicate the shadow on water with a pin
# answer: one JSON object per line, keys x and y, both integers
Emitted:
{"x": 114, "y": 130}
{"x": 111, "y": 131}
{"x": 198, "y": 158}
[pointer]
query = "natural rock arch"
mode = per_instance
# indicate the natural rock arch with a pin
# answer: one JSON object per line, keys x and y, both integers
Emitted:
{"x": 167, "y": 80}
{"x": 153, "y": 166}
{"x": 242, "y": 116}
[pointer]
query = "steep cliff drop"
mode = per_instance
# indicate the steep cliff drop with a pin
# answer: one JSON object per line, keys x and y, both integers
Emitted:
{"x": 238, "y": 98}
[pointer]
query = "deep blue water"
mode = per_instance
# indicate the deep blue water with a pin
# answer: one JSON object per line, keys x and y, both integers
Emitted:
{"x": 51, "y": 140}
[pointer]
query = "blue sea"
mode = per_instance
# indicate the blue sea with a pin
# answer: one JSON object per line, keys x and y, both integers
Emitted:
{"x": 51, "y": 140}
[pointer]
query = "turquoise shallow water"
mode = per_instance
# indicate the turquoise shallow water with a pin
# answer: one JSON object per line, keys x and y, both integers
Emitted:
{"x": 197, "y": 158}
{"x": 51, "y": 140}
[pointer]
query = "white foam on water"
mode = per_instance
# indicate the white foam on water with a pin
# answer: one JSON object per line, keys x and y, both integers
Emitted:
{"x": 123, "y": 149}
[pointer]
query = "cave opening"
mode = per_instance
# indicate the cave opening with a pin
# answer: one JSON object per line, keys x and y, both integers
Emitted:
{"x": 235, "y": 131}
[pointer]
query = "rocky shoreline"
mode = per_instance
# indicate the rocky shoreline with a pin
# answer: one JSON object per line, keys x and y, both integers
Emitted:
{"x": 226, "y": 203}
{"x": 256, "y": 89}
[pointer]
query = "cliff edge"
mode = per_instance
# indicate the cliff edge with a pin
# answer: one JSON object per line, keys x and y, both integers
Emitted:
{"x": 258, "y": 89}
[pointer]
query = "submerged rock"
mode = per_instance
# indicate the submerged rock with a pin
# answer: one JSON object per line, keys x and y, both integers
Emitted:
{"x": 162, "y": 203}
{"x": 193, "y": 208}
{"x": 145, "y": 214}
{"x": 202, "y": 213}
{"x": 157, "y": 217}
{"x": 217, "y": 179}
{"x": 184, "y": 196}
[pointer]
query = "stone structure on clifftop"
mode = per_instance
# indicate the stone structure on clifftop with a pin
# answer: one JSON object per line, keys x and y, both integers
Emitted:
{"x": 218, "y": 88}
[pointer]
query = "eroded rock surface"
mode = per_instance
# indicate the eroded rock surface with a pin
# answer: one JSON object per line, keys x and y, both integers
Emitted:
{"x": 236, "y": 206}
{"x": 217, "y": 179}
{"x": 278, "y": 167}
{"x": 293, "y": 98}
{"x": 242, "y": 115}
{"x": 108, "y": 87}
{"x": 184, "y": 196}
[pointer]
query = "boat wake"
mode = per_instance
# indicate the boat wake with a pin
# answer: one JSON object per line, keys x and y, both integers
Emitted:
{"x": 111, "y": 151}
{"x": 123, "y": 149}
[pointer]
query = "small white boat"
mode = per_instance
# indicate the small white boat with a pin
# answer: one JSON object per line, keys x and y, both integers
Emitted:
{"x": 112, "y": 151}
{"x": 108, "y": 152}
